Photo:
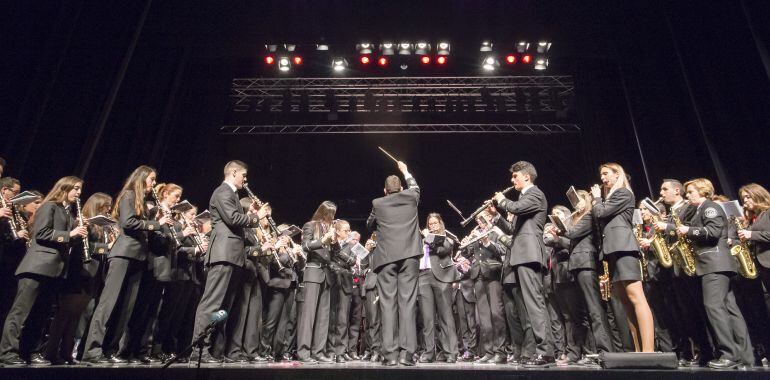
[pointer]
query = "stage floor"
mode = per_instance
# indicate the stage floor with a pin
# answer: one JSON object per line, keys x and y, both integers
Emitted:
{"x": 365, "y": 371}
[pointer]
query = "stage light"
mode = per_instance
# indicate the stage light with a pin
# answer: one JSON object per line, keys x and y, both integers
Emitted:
{"x": 339, "y": 64}
{"x": 404, "y": 66}
{"x": 365, "y": 59}
{"x": 284, "y": 64}
{"x": 422, "y": 48}
{"x": 541, "y": 63}
{"x": 490, "y": 63}
{"x": 387, "y": 48}
{"x": 543, "y": 47}
{"x": 526, "y": 58}
{"x": 364, "y": 48}
{"x": 297, "y": 60}
{"x": 510, "y": 59}
{"x": 405, "y": 48}
{"x": 290, "y": 47}
{"x": 322, "y": 47}
{"x": 441, "y": 60}
{"x": 443, "y": 48}
{"x": 486, "y": 46}
{"x": 522, "y": 46}
{"x": 425, "y": 59}
{"x": 269, "y": 60}
{"x": 382, "y": 61}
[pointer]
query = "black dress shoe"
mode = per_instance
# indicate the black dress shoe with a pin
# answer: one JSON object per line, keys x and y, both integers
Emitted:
{"x": 723, "y": 364}
{"x": 148, "y": 360}
{"x": 12, "y": 360}
{"x": 347, "y": 357}
{"x": 259, "y": 359}
{"x": 376, "y": 358}
{"x": 207, "y": 359}
{"x": 426, "y": 359}
{"x": 467, "y": 356}
{"x": 520, "y": 360}
{"x": 285, "y": 357}
{"x": 340, "y": 359}
{"x": 366, "y": 356}
{"x": 99, "y": 360}
{"x": 588, "y": 362}
{"x": 38, "y": 360}
{"x": 116, "y": 360}
{"x": 308, "y": 361}
{"x": 390, "y": 363}
{"x": 407, "y": 360}
{"x": 484, "y": 359}
{"x": 235, "y": 359}
{"x": 451, "y": 359}
{"x": 323, "y": 359}
{"x": 353, "y": 356}
{"x": 499, "y": 359}
{"x": 540, "y": 361}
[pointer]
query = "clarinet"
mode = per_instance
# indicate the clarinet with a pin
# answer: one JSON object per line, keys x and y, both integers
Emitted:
{"x": 196, "y": 236}
{"x": 270, "y": 221}
{"x": 165, "y": 213}
{"x": 11, "y": 222}
{"x": 81, "y": 223}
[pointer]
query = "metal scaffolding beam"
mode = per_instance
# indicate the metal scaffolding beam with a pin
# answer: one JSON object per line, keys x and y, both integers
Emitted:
{"x": 534, "y": 129}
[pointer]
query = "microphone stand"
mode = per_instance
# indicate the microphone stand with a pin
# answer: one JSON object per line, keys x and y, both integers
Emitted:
{"x": 198, "y": 342}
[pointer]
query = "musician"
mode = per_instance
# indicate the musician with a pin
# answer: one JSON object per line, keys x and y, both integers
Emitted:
{"x": 707, "y": 230}
{"x": 437, "y": 273}
{"x": 11, "y": 249}
{"x": 340, "y": 292}
{"x": 127, "y": 261}
{"x": 2, "y": 166}
{"x": 688, "y": 315}
{"x": 485, "y": 271}
{"x": 525, "y": 261}
{"x": 356, "y": 304}
{"x": 46, "y": 261}
{"x": 394, "y": 218}
{"x": 313, "y": 296}
{"x": 465, "y": 304}
{"x": 614, "y": 212}
{"x": 371, "y": 297}
{"x": 280, "y": 299}
{"x": 225, "y": 258}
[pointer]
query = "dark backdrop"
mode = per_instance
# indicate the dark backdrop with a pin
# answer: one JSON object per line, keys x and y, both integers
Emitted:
{"x": 71, "y": 67}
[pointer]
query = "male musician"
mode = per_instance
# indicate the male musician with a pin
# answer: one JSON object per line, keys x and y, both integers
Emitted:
{"x": 394, "y": 217}
{"x": 340, "y": 292}
{"x": 371, "y": 297}
{"x": 226, "y": 250}
{"x": 11, "y": 250}
{"x": 356, "y": 304}
{"x": 525, "y": 260}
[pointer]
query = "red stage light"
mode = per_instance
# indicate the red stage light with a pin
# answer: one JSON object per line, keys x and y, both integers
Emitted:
{"x": 441, "y": 60}
{"x": 526, "y": 59}
{"x": 382, "y": 61}
{"x": 510, "y": 58}
{"x": 425, "y": 60}
{"x": 269, "y": 60}
{"x": 365, "y": 59}
{"x": 297, "y": 60}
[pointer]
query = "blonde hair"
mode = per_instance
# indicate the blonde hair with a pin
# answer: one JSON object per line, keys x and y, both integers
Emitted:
{"x": 622, "y": 181}
{"x": 704, "y": 187}
{"x": 586, "y": 198}
{"x": 759, "y": 195}
{"x": 166, "y": 188}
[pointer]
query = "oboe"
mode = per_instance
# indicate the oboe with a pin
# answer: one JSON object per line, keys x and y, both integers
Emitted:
{"x": 167, "y": 213}
{"x": 81, "y": 223}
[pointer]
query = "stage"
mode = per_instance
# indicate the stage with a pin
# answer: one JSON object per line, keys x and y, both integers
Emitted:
{"x": 361, "y": 371}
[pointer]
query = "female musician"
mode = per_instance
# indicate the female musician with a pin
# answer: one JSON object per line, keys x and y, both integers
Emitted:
{"x": 707, "y": 229}
{"x": 583, "y": 260}
{"x": 54, "y": 232}
{"x": 127, "y": 262}
{"x": 756, "y": 203}
{"x": 313, "y": 295}
{"x": 614, "y": 212}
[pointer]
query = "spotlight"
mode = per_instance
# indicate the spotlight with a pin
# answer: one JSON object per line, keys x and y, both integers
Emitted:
{"x": 322, "y": 47}
{"x": 441, "y": 60}
{"x": 422, "y": 48}
{"x": 364, "y": 48}
{"x": 522, "y": 46}
{"x": 284, "y": 64}
{"x": 510, "y": 59}
{"x": 290, "y": 47}
{"x": 339, "y": 64}
{"x": 490, "y": 63}
{"x": 382, "y": 61}
{"x": 405, "y": 48}
{"x": 543, "y": 47}
{"x": 425, "y": 59}
{"x": 443, "y": 48}
{"x": 365, "y": 59}
{"x": 269, "y": 60}
{"x": 297, "y": 60}
{"x": 541, "y": 63}
{"x": 404, "y": 66}
{"x": 486, "y": 46}
{"x": 387, "y": 48}
{"x": 526, "y": 58}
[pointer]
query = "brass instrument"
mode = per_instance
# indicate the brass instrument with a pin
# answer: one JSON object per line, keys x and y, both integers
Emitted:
{"x": 479, "y": 210}
{"x": 11, "y": 222}
{"x": 166, "y": 212}
{"x": 746, "y": 266}
{"x": 642, "y": 257}
{"x": 82, "y": 223}
{"x": 658, "y": 243}
{"x": 683, "y": 246}
{"x": 605, "y": 286}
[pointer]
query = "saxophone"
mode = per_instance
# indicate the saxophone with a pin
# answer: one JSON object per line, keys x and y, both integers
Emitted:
{"x": 658, "y": 243}
{"x": 642, "y": 257}
{"x": 605, "y": 286}
{"x": 741, "y": 252}
{"x": 683, "y": 247}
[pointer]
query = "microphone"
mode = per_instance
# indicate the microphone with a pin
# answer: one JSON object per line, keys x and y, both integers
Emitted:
{"x": 217, "y": 318}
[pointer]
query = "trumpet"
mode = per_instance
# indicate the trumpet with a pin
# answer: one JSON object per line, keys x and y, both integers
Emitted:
{"x": 166, "y": 212}
{"x": 11, "y": 222}
{"x": 479, "y": 210}
{"x": 81, "y": 223}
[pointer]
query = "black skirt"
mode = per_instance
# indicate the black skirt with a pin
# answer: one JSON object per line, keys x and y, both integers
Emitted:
{"x": 624, "y": 266}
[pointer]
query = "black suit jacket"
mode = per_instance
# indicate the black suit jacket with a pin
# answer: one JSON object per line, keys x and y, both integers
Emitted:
{"x": 559, "y": 257}
{"x": 132, "y": 242}
{"x": 708, "y": 233}
{"x": 318, "y": 254}
{"x": 48, "y": 254}
{"x": 370, "y": 278}
{"x": 581, "y": 243}
{"x": 615, "y": 216}
{"x": 487, "y": 260}
{"x": 760, "y": 238}
{"x": 394, "y": 217}
{"x": 527, "y": 247}
{"x": 441, "y": 263}
{"x": 228, "y": 222}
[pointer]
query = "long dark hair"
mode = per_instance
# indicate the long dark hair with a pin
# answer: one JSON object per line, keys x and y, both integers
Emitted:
{"x": 323, "y": 217}
{"x": 58, "y": 193}
{"x": 136, "y": 183}
{"x": 442, "y": 229}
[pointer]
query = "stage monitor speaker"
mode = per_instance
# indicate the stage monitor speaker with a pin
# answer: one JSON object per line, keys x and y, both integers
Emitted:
{"x": 638, "y": 360}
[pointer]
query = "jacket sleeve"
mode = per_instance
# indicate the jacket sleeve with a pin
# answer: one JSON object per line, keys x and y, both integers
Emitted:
{"x": 494, "y": 249}
{"x": 580, "y": 229}
{"x": 46, "y": 232}
{"x": 529, "y": 203}
{"x": 762, "y": 236}
{"x": 232, "y": 213}
{"x": 442, "y": 250}
{"x": 130, "y": 221}
{"x": 711, "y": 230}
{"x": 504, "y": 224}
{"x": 371, "y": 221}
{"x": 411, "y": 184}
{"x": 310, "y": 244}
{"x": 620, "y": 200}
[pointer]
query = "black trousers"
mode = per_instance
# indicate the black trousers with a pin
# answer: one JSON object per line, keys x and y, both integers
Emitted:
{"x": 655, "y": 293}
{"x": 339, "y": 319}
{"x": 356, "y": 317}
{"x": 557, "y": 326}
{"x": 522, "y": 339}
{"x": 312, "y": 319}
{"x": 274, "y": 337}
{"x": 223, "y": 285}
{"x": 588, "y": 284}
{"x": 27, "y": 317}
{"x": 176, "y": 317}
{"x": 143, "y": 316}
{"x": 692, "y": 316}
{"x": 73, "y": 300}
{"x": 530, "y": 281}
{"x": 491, "y": 315}
{"x": 435, "y": 303}
{"x": 728, "y": 325}
{"x": 397, "y": 284}
{"x": 751, "y": 300}
{"x": 114, "y": 308}
{"x": 574, "y": 314}
{"x": 467, "y": 326}
{"x": 244, "y": 331}
{"x": 373, "y": 323}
